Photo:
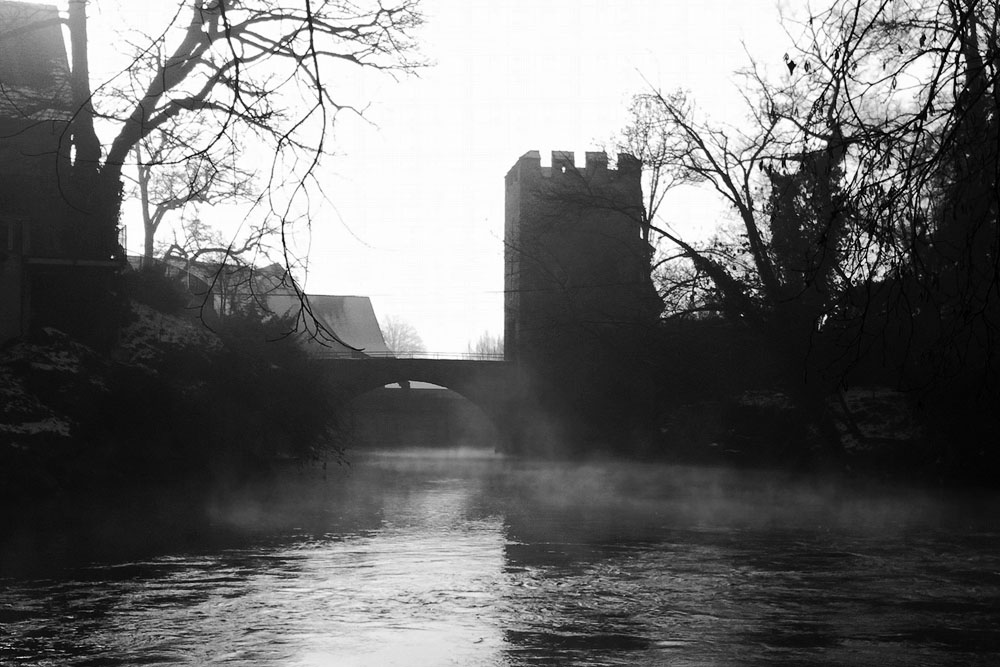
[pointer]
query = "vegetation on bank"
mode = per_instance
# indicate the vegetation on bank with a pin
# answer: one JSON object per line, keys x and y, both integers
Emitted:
{"x": 174, "y": 400}
{"x": 713, "y": 391}
{"x": 863, "y": 246}
{"x": 177, "y": 401}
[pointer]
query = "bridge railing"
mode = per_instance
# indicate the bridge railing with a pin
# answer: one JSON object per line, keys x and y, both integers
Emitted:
{"x": 327, "y": 353}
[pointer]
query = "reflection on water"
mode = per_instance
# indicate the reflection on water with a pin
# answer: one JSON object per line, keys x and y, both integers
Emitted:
{"x": 421, "y": 558}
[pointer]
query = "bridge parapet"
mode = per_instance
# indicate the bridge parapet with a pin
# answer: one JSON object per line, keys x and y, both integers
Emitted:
{"x": 330, "y": 353}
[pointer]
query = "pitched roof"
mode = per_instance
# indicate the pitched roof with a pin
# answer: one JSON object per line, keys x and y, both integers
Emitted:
{"x": 34, "y": 68}
{"x": 351, "y": 318}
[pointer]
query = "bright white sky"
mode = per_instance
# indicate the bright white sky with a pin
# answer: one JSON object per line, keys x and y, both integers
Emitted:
{"x": 419, "y": 199}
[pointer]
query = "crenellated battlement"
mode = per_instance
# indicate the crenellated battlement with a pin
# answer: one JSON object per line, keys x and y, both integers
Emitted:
{"x": 595, "y": 167}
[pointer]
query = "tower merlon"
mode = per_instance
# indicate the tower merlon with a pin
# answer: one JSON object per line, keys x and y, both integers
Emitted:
{"x": 563, "y": 159}
{"x": 596, "y": 161}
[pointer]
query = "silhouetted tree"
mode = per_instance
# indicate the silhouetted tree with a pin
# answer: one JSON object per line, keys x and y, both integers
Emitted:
{"x": 778, "y": 273}
{"x": 169, "y": 179}
{"x": 912, "y": 87}
{"x": 260, "y": 69}
{"x": 866, "y": 188}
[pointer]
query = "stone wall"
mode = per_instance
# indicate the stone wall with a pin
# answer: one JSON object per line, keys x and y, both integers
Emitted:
{"x": 576, "y": 263}
{"x": 579, "y": 300}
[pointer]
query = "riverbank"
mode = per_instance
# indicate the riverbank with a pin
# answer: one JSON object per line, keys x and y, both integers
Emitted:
{"x": 171, "y": 402}
{"x": 175, "y": 404}
{"x": 873, "y": 433}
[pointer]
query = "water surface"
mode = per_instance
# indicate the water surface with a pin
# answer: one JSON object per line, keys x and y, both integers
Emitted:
{"x": 424, "y": 557}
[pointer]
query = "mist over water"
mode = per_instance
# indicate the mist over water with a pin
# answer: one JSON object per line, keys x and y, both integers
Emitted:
{"x": 463, "y": 557}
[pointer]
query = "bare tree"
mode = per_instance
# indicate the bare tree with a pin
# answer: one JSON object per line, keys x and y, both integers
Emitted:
{"x": 486, "y": 345}
{"x": 739, "y": 166}
{"x": 778, "y": 272}
{"x": 169, "y": 180}
{"x": 867, "y": 192}
{"x": 912, "y": 87}
{"x": 260, "y": 69}
{"x": 400, "y": 336}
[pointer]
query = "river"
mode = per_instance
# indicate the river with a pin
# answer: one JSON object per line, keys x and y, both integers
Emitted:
{"x": 426, "y": 558}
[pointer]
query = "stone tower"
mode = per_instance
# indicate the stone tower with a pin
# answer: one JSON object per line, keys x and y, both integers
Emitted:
{"x": 577, "y": 268}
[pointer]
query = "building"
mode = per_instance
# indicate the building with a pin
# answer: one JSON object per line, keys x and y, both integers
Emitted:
{"x": 50, "y": 261}
{"x": 225, "y": 289}
{"x": 351, "y": 318}
{"x": 577, "y": 266}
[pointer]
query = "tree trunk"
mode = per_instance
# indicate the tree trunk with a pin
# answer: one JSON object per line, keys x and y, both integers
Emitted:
{"x": 85, "y": 142}
{"x": 148, "y": 223}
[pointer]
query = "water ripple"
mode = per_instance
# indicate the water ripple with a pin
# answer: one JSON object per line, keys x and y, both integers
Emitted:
{"x": 479, "y": 566}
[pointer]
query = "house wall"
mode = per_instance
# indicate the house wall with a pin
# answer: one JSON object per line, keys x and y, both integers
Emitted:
{"x": 37, "y": 238}
{"x": 11, "y": 291}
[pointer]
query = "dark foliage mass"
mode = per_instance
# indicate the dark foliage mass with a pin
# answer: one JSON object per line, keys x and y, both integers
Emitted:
{"x": 866, "y": 193}
{"x": 148, "y": 287}
{"x": 208, "y": 410}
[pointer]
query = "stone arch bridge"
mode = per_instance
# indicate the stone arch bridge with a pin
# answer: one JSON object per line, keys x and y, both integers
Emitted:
{"x": 499, "y": 388}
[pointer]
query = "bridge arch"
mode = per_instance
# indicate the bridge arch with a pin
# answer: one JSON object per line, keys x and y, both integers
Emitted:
{"x": 495, "y": 387}
{"x": 423, "y": 415}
